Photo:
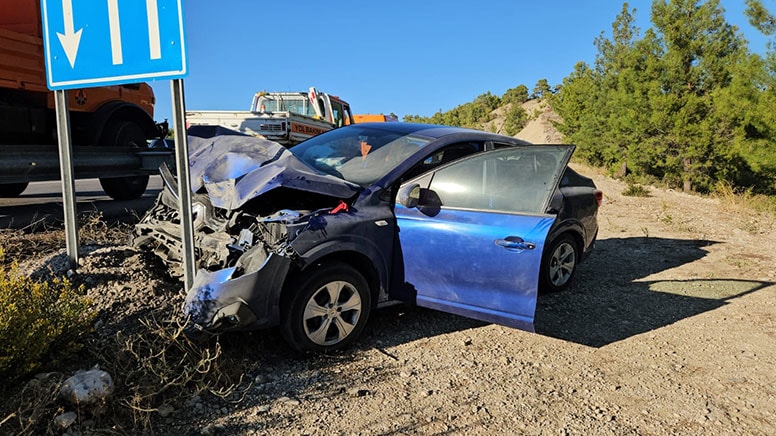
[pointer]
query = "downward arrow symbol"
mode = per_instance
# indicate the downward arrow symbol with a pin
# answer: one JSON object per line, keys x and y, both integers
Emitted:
{"x": 71, "y": 38}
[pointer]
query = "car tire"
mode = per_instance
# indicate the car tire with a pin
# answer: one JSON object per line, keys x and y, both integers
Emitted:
{"x": 12, "y": 190}
{"x": 559, "y": 263}
{"x": 326, "y": 310}
{"x": 124, "y": 134}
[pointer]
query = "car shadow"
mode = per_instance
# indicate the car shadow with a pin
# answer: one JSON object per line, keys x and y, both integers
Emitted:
{"x": 610, "y": 301}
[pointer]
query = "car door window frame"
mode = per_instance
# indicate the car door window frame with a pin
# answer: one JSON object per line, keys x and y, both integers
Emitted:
{"x": 428, "y": 178}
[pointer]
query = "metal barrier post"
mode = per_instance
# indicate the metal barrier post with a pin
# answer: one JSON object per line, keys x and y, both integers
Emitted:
{"x": 184, "y": 181}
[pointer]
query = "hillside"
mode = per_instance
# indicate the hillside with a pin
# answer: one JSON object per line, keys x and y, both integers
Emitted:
{"x": 539, "y": 128}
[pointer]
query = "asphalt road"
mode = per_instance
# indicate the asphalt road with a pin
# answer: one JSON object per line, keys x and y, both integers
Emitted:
{"x": 40, "y": 205}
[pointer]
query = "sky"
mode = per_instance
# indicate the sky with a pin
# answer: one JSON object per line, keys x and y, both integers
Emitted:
{"x": 407, "y": 57}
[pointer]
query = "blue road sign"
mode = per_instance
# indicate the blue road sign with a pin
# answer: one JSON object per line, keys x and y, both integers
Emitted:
{"x": 105, "y": 42}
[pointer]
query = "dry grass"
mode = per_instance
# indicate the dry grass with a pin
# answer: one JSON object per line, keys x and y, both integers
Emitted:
{"x": 737, "y": 200}
{"x": 41, "y": 240}
{"x": 160, "y": 365}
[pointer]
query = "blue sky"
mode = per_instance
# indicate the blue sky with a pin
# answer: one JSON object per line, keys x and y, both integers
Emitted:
{"x": 406, "y": 57}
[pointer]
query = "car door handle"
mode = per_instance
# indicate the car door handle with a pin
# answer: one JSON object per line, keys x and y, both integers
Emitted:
{"x": 514, "y": 243}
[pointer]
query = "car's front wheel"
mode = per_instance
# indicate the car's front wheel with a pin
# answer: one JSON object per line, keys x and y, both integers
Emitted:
{"x": 326, "y": 310}
{"x": 559, "y": 263}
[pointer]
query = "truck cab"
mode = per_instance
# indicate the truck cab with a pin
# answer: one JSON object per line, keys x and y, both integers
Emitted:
{"x": 313, "y": 104}
{"x": 284, "y": 117}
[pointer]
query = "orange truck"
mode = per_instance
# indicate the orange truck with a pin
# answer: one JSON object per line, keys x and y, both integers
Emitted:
{"x": 110, "y": 126}
{"x": 374, "y": 118}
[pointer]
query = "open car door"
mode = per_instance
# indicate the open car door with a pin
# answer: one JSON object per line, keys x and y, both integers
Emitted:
{"x": 471, "y": 239}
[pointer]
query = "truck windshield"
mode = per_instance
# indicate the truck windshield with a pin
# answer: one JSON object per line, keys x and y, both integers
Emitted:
{"x": 296, "y": 104}
{"x": 358, "y": 155}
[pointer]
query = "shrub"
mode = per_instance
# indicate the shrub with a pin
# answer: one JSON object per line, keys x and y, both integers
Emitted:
{"x": 40, "y": 322}
{"x": 516, "y": 118}
{"x": 635, "y": 190}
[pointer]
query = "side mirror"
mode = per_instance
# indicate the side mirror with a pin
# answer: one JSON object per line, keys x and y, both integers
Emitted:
{"x": 409, "y": 195}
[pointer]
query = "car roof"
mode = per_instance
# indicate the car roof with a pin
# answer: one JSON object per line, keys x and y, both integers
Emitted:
{"x": 436, "y": 131}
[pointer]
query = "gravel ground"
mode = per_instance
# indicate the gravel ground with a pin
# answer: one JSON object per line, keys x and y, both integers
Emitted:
{"x": 670, "y": 328}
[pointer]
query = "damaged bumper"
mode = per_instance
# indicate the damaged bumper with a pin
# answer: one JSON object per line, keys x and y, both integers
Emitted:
{"x": 222, "y": 301}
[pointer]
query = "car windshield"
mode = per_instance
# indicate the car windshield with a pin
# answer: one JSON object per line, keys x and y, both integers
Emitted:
{"x": 359, "y": 155}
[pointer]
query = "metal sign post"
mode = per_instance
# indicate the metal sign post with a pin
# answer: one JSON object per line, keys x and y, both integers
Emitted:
{"x": 68, "y": 183}
{"x": 184, "y": 177}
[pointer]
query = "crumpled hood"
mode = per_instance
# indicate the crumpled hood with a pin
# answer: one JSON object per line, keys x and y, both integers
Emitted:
{"x": 236, "y": 169}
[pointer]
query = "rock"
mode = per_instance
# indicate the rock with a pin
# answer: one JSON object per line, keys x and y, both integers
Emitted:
{"x": 193, "y": 401}
{"x": 87, "y": 387}
{"x": 260, "y": 379}
{"x": 65, "y": 420}
{"x": 48, "y": 376}
{"x": 357, "y": 392}
{"x": 212, "y": 430}
{"x": 165, "y": 410}
{"x": 289, "y": 401}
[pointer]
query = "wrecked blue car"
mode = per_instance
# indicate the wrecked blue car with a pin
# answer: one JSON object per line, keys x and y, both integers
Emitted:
{"x": 315, "y": 237}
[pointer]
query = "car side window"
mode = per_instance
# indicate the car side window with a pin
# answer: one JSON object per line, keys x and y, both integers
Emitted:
{"x": 442, "y": 156}
{"x": 516, "y": 179}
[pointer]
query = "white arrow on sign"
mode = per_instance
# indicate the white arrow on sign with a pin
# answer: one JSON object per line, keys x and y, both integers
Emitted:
{"x": 71, "y": 38}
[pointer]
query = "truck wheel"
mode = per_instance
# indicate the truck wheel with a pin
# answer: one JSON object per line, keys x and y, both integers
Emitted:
{"x": 9, "y": 190}
{"x": 124, "y": 134}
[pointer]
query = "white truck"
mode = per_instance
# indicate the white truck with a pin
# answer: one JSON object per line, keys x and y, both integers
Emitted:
{"x": 284, "y": 117}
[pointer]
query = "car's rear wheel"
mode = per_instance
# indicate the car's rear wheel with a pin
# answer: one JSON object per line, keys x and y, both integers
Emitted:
{"x": 559, "y": 263}
{"x": 327, "y": 310}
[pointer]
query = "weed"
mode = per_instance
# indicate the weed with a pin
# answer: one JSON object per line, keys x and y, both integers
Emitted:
{"x": 664, "y": 216}
{"x": 160, "y": 364}
{"x": 39, "y": 321}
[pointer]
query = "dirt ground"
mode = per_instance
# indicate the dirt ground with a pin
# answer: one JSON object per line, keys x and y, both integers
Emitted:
{"x": 670, "y": 328}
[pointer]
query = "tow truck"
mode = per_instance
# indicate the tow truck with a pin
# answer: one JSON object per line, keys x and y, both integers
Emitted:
{"x": 284, "y": 117}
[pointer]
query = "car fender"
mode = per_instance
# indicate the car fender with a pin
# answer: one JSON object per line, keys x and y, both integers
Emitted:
{"x": 344, "y": 248}
{"x": 572, "y": 226}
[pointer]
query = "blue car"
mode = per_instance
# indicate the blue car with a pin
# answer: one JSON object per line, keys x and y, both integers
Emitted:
{"x": 315, "y": 237}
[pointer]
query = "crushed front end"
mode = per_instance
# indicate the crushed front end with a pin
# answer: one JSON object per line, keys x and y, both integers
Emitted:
{"x": 244, "y": 245}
